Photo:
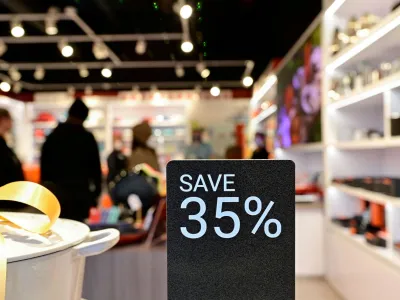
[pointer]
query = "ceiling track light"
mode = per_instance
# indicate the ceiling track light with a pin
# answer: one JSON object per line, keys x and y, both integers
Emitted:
{"x": 5, "y": 86}
{"x": 187, "y": 46}
{"x": 186, "y": 11}
{"x": 16, "y": 28}
{"x": 17, "y": 88}
{"x": 14, "y": 74}
{"x": 39, "y": 73}
{"x": 247, "y": 81}
{"x": 202, "y": 70}
{"x": 141, "y": 47}
{"x": 215, "y": 91}
{"x": 65, "y": 49}
{"x": 183, "y": 9}
{"x": 179, "y": 71}
{"x": 3, "y": 48}
{"x": 100, "y": 50}
{"x": 50, "y": 21}
{"x": 106, "y": 72}
{"x": 83, "y": 71}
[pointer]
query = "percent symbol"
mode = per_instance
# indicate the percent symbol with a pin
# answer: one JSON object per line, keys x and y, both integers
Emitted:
{"x": 268, "y": 223}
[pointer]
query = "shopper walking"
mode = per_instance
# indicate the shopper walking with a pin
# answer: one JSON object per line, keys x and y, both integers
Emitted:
{"x": 198, "y": 149}
{"x": 70, "y": 164}
{"x": 141, "y": 152}
{"x": 261, "y": 151}
{"x": 10, "y": 166}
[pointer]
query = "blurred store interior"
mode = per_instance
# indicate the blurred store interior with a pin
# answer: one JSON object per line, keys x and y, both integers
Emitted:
{"x": 314, "y": 82}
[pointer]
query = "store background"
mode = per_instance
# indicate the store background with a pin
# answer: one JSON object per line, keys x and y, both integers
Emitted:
{"x": 326, "y": 94}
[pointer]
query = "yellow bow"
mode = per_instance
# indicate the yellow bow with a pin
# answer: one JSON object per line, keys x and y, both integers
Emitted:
{"x": 33, "y": 195}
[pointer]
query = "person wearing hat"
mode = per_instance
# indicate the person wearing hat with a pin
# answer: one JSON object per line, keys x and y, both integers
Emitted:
{"x": 70, "y": 164}
{"x": 141, "y": 152}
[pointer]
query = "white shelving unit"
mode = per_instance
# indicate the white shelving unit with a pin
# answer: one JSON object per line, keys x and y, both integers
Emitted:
{"x": 356, "y": 269}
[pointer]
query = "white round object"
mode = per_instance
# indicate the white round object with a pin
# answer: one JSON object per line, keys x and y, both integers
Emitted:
{"x": 248, "y": 81}
{"x": 5, "y": 86}
{"x": 67, "y": 51}
{"x": 215, "y": 91}
{"x": 205, "y": 73}
{"x": 58, "y": 258}
{"x": 18, "y": 31}
{"x": 21, "y": 244}
{"x": 83, "y": 72}
{"x": 106, "y": 72}
{"x": 187, "y": 47}
{"x": 186, "y": 11}
{"x": 141, "y": 47}
{"x": 51, "y": 30}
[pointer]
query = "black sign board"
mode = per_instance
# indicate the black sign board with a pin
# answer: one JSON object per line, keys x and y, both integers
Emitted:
{"x": 231, "y": 230}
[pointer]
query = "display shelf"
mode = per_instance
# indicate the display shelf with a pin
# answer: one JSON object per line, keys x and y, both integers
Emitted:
{"x": 368, "y": 144}
{"x": 387, "y": 255}
{"x": 265, "y": 114}
{"x": 387, "y": 32}
{"x": 368, "y": 93}
{"x": 368, "y": 195}
{"x": 309, "y": 147}
{"x": 309, "y": 198}
{"x": 348, "y": 8}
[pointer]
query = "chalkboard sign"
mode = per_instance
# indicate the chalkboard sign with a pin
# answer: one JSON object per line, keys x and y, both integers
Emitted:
{"x": 231, "y": 230}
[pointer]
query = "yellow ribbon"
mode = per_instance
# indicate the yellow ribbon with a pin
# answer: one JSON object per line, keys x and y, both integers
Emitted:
{"x": 33, "y": 195}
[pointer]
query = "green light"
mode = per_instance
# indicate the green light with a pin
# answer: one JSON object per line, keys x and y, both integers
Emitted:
{"x": 200, "y": 19}
{"x": 205, "y": 54}
{"x": 199, "y": 5}
{"x": 204, "y": 44}
{"x": 155, "y": 5}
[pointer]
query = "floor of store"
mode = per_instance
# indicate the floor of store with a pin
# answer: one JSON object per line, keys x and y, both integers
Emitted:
{"x": 314, "y": 289}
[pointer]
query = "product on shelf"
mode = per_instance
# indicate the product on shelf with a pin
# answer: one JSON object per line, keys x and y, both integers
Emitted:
{"x": 395, "y": 124}
{"x": 384, "y": 185}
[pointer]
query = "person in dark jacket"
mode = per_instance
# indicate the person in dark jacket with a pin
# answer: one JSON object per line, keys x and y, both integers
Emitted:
{"x": 70, "y": 164}
{"x": 261, "y": 151}
{"x": 10, "y": 166}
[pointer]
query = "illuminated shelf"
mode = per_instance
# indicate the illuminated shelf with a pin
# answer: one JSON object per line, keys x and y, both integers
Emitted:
{"x": 265, "y": 114}
{"x": 309, "y": 147}
{"x": 368, "y": 144}
{"x": 367, "y": 195}
{"x": 379, "y": 44}
{"x": 388, "y": 256}
{"x": 368, "y": 92}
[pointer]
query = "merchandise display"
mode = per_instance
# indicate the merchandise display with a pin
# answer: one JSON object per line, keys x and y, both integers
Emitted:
{"x": 299, "y": 95}
{"x": 361, "y": 148}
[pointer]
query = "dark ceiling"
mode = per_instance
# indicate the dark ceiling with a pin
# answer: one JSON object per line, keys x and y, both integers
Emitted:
{"x": 221, "y": 30}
